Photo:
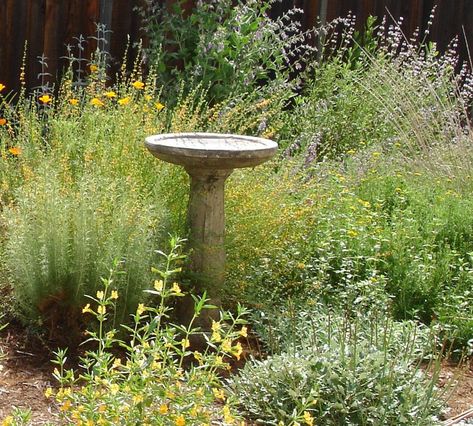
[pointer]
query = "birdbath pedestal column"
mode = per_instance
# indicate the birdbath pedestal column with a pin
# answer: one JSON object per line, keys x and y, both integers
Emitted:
{"x": 209, "y": 159}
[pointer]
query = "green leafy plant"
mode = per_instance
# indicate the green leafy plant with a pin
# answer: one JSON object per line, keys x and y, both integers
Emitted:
{"x": 157, "y": 378}
{"x": 229, "y": 48}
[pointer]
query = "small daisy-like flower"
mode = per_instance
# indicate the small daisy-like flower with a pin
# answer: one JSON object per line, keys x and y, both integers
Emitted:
{"x": 45, "y": 99}
{"x": 176, "y": 289}
{"x": 244, "y": 331}
{"x": 237, "y": 350}
{"x": 93, "y": 67}
{"x": 159, "y": 285}
{"x": 124, "y": 101}
{"x": 3, "y": 121}
{"x": 110, "y": 94}
{"x": 65, "y": 406}
{"x": 226, "y": 345}
{"x": 139, "y": 85}
{"x": 137, "y": 399}
{"x": 140, "y": 309}
{"x": 218, "y": 393}
{"x": 96, "y": 102}
{"x": 180, "y": 421}
{"x": 159, "y": 106}
{"x": 163, "y": 409}
{"x": 48, "y": 392}
{"x": 216, "y": 337}
{"x": 308, "y": 419}
{"x": 15, "y": 150}
{"x": 227, "y": 416}
{"x": 74, "y": 101}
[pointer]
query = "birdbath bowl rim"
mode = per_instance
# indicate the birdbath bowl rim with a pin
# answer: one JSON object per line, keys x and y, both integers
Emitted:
{"x": 211, "y": 150}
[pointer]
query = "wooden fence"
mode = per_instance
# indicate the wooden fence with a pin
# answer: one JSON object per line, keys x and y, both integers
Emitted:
{"x": 48, "y": 25}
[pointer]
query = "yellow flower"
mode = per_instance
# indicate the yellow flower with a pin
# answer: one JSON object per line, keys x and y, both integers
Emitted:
{"x": 3, "y": 121}
{"x": 244, "y": 331}
{"x": 48, "y": 392}
{"x": 124, "y": 101}
{"x": 66, "y": 406}
{"x": 218, "y": 360}
{"x": 163, "y": 409}
{"x": 15, "y": 150}
{"x": 176, "y": 289}
{"x": 137, "y": 399}
{"x": 100, "y": 294}
{"x": 45, "y": 99}
{"x": 185, "y": 343}
{"x": 159, "y": 285}
{"x": 309, "y": 420}
{"x": 7, "y": 421}
{"x": 216, "y": 337}
{"x": 218, "y": 393}
{"x": 138, "y": 85}
{"x": 141, "y": 308}
{"x": 159, "y": 106}
{"x": 147, "y": 97}
{"x": 96, "y": 102}
{"x": 114, "y": 295}
{"x": 110, "y": 94}
{"x": 101, "y": 310}
{"x": 116, "y": 363}
{"x": 114, "y": 388}
{"x": 180, "y": 421}
{"x": 93, "y": 67}
{"x": 226, "y": 345}
{"x": 101, "y": 408}
{"x": 227, "y": 416}
{"x": 216, "y": 326}
{"x": 237, "y": 350}
{"x": 74, "y": 101}
{"x": 2, "y": 86}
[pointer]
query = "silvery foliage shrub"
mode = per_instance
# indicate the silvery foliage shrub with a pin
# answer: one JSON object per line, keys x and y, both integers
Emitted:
{"x": 343, "y": 368}
{"x": 230, "y": 48}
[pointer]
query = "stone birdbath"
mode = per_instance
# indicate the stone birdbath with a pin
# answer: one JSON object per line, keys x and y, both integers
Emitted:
{"x": 209, "y": 159}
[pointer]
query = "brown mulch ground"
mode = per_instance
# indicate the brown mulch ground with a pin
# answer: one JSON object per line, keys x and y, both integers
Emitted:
{"x": 25, "y": 373}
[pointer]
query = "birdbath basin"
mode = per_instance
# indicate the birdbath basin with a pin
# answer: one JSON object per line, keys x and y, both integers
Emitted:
{"x": 209, "y": 159}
